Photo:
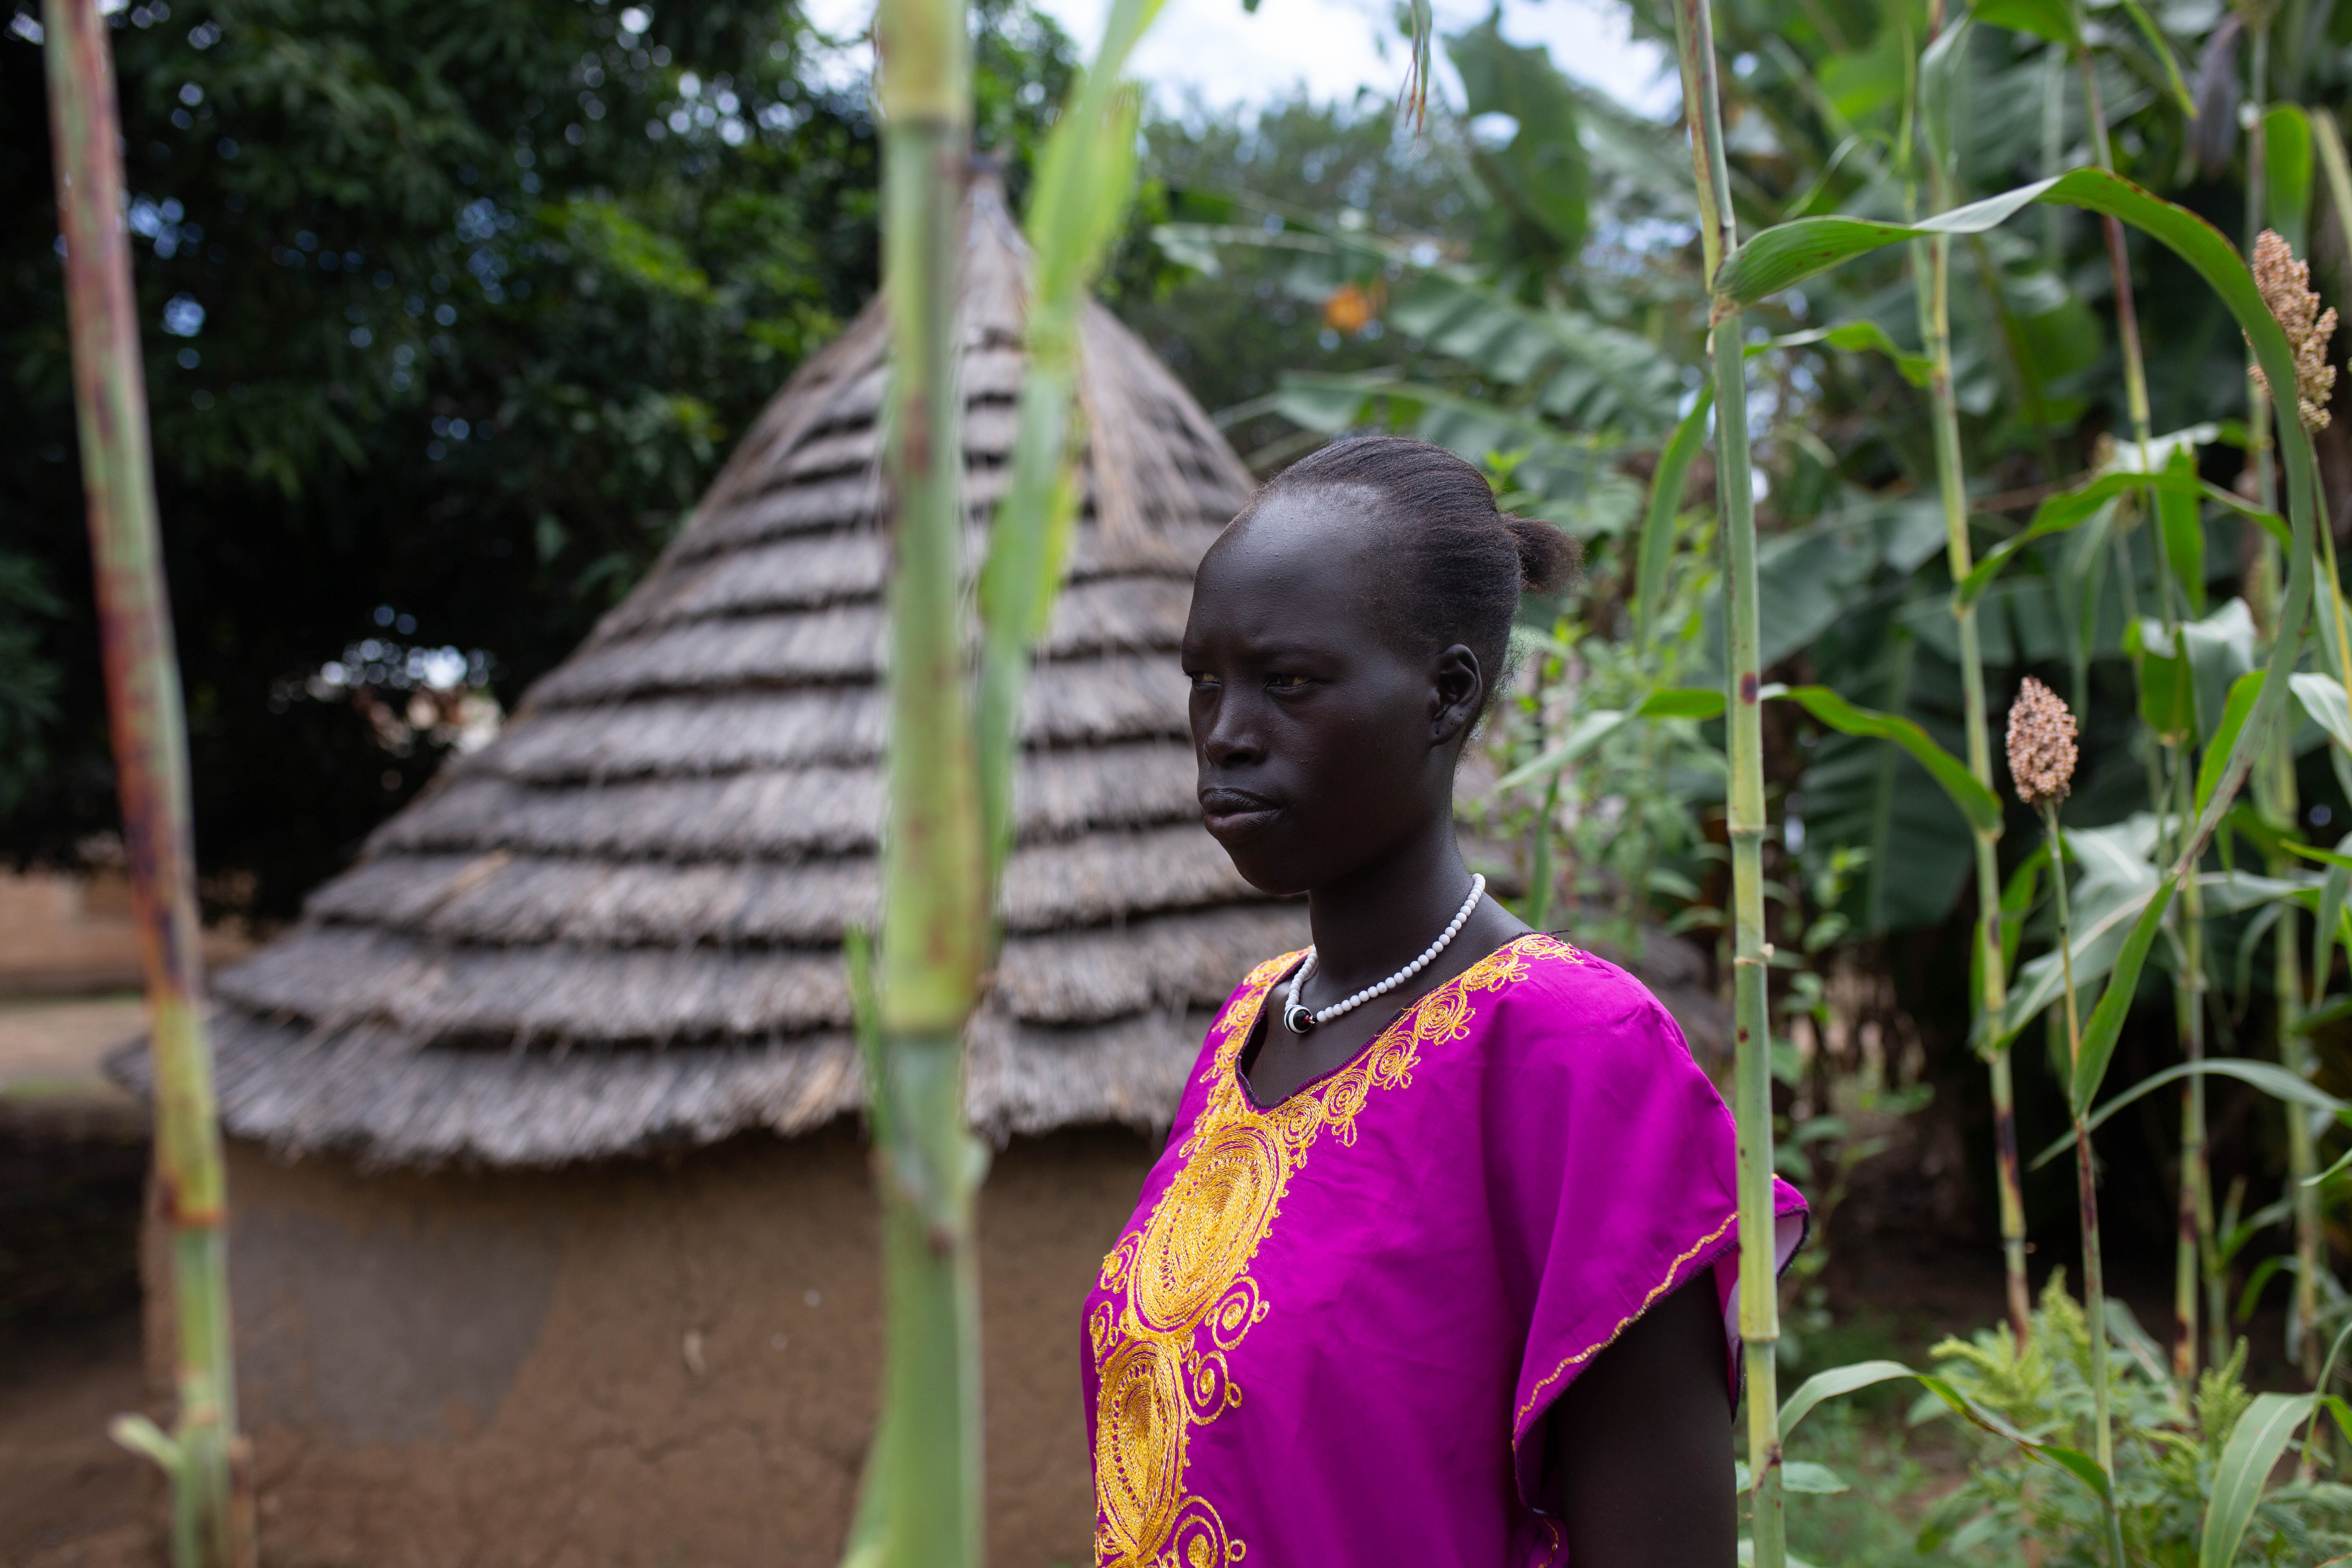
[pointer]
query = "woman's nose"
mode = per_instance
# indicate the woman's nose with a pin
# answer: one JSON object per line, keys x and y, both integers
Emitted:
{"x": 1223, "y": 729}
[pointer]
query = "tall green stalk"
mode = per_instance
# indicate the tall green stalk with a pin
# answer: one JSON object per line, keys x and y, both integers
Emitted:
{"x": 2275, "y": 791}
{"x": 2295, "y": 1047}
{"x": 208, "y": 1462}
{"x": 1993, "y": 978}
{"x": 2118, "y": 255}
{"x": 2086, "y": 1191}
{"x": 952, "y": 774}
{"x": 1931, "y": 270}
{"x": 1759, "y": 1308}
{"x": 2196, "y": 1209}
{"x": 2194, "y": 1250}
{"x": 922, "y": 1506}
{"x": 1083, "y": 182}
{"x": 2258, "y": 396}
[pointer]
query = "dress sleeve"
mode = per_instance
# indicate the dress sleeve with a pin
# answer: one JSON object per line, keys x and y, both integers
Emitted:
{"x": 1623, "y": 1181}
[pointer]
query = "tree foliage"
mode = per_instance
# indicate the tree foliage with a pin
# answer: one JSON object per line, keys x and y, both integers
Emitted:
{"x": 451, "y": 312}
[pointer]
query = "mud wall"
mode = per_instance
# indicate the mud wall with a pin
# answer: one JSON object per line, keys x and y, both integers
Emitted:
{"x": 657, "y": 1365}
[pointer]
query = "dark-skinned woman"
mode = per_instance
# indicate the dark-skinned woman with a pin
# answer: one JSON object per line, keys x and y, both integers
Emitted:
{"x": 1435, "y": 1268}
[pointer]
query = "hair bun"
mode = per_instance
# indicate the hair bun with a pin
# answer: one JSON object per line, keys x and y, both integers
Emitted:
{"x": 1548, "y": 557}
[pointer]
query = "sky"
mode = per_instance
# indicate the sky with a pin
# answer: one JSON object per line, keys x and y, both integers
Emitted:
{"x": 1228, "y": 56}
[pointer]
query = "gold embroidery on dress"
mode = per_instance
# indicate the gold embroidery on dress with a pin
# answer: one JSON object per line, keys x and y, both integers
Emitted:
{"x": 1628, "y": 1321}
{"x": 1181, "y": 1301}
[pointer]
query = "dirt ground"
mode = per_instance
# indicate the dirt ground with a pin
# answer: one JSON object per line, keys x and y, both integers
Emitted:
{"x": 71, "y": 1163}
{"x": 69, "y": 1497}
{"x": 72, "y": 1167}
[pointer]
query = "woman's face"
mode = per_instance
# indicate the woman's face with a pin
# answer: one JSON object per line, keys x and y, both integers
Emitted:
{"x": 1321, "y": 744}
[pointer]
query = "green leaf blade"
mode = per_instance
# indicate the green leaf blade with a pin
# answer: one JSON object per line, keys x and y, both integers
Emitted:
{"x": 1977, "y": 802}
{"x": 1665, "y": 506}
{"x": 2244, "y": 692}
{"x": 2099, "y": 1036}
{"x": 2255, "y": 1443}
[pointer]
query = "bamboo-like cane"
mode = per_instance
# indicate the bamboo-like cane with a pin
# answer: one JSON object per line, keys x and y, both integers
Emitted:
{"x": 2197, "y": 1250}
{"x": 2275, "y": 790}
{"x": 2294, "y": 1048}
{"x": 1760, "y": 1307}
{"x": 1931, "y": 271}
{"x": 211, "y": 1499}
{"x": 2193, "y": 1248}
{"x": 2196, "y": 1208}
{"x": 2042, "y": 765}
{"x": 2258, "y": 394}
{"x": 922, "y": 1506}
{"x": 2086, "y": 1191}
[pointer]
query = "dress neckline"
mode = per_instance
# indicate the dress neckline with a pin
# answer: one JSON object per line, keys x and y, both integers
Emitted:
{"x": 1240, "y": 1076}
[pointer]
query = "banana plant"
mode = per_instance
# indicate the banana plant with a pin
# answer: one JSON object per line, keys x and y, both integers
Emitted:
{"x": 1576, "y": 394}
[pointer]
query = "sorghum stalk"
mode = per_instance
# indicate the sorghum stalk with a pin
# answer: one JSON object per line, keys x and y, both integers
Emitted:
{"x": 2258, "y": 392}
{"x": 2086, "y": 1191}
{"x": 2118, "y": 255}
{"x": 208, "y": 1464}
{"x": 1759, "y": 1308}
{"x": 1931, "y": 263}
{"x": 2041, "y": 758}
{"x": 2285, "y": 285}
{"x": 2194, "y": 1250}
{"x": 2273, "y": 781}
{"x": 924, "y": 1479}
{"x": 2188, "y": 995}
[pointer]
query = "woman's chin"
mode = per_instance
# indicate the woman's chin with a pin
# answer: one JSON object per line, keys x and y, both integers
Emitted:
{"x": 1263, "y": 866}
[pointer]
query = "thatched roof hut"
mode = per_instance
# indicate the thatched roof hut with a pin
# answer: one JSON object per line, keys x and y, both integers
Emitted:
{"x": 618, "y": 927}
{"x": 553, "y": 1237}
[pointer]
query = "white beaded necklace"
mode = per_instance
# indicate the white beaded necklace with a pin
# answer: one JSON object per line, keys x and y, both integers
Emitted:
{"x": 1299, "y": 1021}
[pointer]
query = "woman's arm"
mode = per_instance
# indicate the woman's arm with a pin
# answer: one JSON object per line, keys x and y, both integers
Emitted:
{"x": 1638, "y": 1450}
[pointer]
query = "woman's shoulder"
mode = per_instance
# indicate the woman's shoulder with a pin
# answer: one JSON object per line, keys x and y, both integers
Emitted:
{"x": 1554, "y": 996}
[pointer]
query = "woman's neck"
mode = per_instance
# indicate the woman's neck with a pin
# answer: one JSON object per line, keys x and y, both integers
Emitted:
{"x": 1378, "y": 918}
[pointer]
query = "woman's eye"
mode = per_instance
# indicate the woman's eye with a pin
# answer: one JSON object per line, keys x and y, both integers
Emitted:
{"x": 1204, "y": 683}
{"x": 1285, "y": 683}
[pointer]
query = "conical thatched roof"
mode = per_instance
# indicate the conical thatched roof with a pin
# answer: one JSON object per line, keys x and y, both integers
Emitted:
{"x": 619, "y": 925}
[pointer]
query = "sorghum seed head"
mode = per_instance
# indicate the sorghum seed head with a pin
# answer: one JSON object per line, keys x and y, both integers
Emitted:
{"x": 2285, "y": 285}
{"x": 2041, "y": 744}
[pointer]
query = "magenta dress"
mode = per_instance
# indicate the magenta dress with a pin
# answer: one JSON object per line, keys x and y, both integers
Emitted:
{"x": 1330, "y": 1331}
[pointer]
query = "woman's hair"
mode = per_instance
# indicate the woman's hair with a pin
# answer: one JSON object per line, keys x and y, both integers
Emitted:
{"x": 1452, "y": 567}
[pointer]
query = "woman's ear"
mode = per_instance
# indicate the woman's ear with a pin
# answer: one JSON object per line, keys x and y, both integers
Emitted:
{"x": 1457, "y": 691}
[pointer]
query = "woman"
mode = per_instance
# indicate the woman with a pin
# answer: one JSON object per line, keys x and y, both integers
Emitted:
{"x": 1435, "y": 1268}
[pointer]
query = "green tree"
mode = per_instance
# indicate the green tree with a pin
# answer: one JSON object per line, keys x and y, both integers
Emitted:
{"x": 451, "y": 314}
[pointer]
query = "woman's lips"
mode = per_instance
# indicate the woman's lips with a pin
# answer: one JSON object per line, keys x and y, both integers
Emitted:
{"x": 1227, "y": 812}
